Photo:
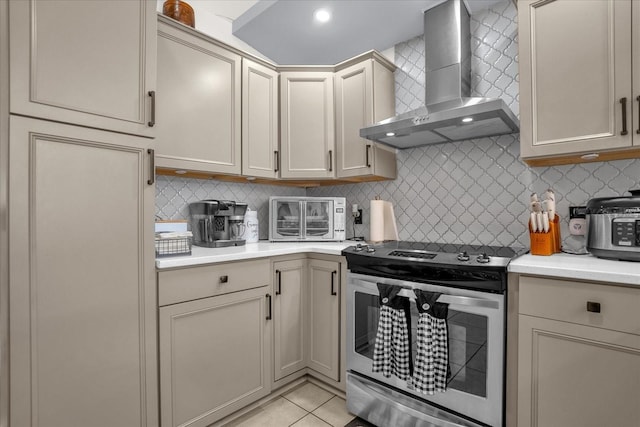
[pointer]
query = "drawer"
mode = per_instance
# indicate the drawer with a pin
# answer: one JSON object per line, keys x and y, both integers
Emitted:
{"x": 567, "y": 301}
{"x": 200, "y": 282}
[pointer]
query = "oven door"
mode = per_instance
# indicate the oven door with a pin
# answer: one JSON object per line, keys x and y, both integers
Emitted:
{"x": 476, "y": 331}
{"x": 318, "y": 219}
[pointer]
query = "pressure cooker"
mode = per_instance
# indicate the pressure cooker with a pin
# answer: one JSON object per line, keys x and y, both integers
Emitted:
{"x": 613, "y": 227}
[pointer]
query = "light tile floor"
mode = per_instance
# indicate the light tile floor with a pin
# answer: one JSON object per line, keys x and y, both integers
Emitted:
{"x": 305, "y": 406}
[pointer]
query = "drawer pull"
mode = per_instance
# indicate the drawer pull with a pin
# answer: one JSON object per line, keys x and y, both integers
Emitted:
{"x": 224, "y": 279}
{"x": 593, "y": 307}
{"x": 279, "y": 288}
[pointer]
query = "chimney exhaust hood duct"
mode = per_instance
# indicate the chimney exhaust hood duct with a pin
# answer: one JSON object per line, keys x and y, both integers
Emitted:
{"x": 450, "y": 113}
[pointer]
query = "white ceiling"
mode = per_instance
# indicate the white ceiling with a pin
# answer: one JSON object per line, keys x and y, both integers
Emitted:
{"x": 284, "y": 30}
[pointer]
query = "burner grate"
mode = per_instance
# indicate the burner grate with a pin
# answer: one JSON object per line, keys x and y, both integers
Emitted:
{"x": 419, "y": 255}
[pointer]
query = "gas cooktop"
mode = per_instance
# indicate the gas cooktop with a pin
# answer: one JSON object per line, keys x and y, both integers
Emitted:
{"x": 438, "y": 253}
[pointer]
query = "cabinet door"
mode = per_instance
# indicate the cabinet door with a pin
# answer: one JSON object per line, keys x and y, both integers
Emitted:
{"x": 214, "y": 356}
{"x": 363, "y": 95}
{"x": 307, "y": 125}
{"x": 198, "y": 106}
{"x": 84, "y": 62}
{"x": 323, "y": 336}
{"x": 82, "y": 278}
{"x": 289, "y": 317}
{"x": 574, "y": 375}
{"x": 260, "y": 155}
{"x": 575, "y": 68}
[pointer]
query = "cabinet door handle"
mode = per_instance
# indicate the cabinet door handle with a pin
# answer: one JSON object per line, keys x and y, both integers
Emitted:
{"x": 593, "y": 307}
{"x": 152, "y": 122}
{"x": 330, "y": 160}
{"x": 269, "y": 316}
{"x": 224, "y": 279}
{"x": 333, "y": 275}
{"x": 276, "y": 161}
{"x": 623, "y": 101}
{"x": 367, "y": 153}
{"x": 279, "y": 288}
{"x": 638, "y": 99}
{"x": 152, "y": 166}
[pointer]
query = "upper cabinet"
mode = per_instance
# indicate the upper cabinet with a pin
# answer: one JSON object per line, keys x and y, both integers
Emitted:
{"x": 307, "y": 126}
{"x": 364, "y": 94}
{"x": 578, "y": 95}
{"x": 260, "y": 155}
{"x": 70, "y": 63}
{"x": 198, "y": 104}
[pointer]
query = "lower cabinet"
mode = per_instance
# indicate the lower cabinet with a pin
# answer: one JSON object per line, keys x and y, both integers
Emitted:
{"x": 215, "y": 352}
{"x": 578, "y": 354}
{"x": 289, "y": 308}
{"x": 323, "y": 336}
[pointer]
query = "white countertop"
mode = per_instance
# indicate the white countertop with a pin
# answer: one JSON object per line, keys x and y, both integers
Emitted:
{"x": 261, "y": 249}
{"x": 581, "y": 267}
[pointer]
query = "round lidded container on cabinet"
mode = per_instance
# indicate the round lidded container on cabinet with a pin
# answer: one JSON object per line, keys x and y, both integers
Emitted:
{"x": 180, "y": 11}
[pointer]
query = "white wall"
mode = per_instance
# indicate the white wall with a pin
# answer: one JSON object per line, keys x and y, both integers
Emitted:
{"x": 217, "y": 27}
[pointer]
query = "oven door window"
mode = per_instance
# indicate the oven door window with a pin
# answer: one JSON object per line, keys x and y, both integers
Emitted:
{"x": 467, "y": 334}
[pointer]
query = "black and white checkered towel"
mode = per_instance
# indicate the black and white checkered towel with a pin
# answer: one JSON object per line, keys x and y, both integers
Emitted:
{"x": 432, "y": 356}
{"x": 392, "y": 350}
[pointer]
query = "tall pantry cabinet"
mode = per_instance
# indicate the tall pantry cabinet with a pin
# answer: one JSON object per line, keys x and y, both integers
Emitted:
{"x": 79, "y": 199}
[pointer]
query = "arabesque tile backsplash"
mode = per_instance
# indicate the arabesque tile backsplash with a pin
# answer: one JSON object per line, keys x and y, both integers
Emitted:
{"x": 474, "y": 192}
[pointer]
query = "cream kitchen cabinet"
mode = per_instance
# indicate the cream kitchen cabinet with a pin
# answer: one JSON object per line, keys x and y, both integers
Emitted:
{"x": 260, "y": 147}
{"x": 90, "y": 63}
{"x": 290, "y": 320}
{"x": 307, "y": 140}
{"x": 82, "y": 295}
{"x": 215, "y": 340}
{"x": 198, "y": 103}
{"x": 579, "y": 80}
{"x": 323, "y": 333}
{"x": 578, "y": 354}
{"x": 364, "y": 94}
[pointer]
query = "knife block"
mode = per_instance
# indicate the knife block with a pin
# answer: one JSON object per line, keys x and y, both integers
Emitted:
{"x": 546, "y": 243}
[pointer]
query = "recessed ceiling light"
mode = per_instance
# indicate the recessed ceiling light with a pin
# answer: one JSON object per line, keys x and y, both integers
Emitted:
{"x": 322, "y": 15}
{"x": 467, "y": 119}
{"x": 391, "y": 134}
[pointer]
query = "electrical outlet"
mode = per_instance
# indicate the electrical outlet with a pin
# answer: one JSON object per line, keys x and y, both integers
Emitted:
{"x": 358, "y": 219}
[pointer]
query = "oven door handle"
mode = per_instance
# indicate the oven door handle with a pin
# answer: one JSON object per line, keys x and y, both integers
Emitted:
{"x": 444, "y": 298}
{"x": 373, "y": 389}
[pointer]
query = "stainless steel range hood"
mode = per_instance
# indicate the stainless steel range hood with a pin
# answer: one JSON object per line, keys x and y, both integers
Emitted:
{"x": 450, "y": 113}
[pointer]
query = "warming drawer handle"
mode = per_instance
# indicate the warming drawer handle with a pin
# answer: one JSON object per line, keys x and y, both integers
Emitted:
{"x": 373, "y": 389}
{"x": 444, "y": 298}
{"x": 623, "y": 101}
{"x": 333, "y": 276}
{"x": 593, "y": 307}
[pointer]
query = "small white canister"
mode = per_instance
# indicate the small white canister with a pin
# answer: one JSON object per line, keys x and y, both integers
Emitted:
{"x": 252, "y": 230}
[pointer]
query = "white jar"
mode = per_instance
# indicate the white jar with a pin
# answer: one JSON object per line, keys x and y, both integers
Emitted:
{"x": 252, "y": 229}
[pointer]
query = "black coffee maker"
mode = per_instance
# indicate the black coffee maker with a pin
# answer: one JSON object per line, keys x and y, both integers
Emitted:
{"x": 216, "y": 223}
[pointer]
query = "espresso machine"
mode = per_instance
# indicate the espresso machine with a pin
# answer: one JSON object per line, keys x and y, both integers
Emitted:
{"x": 217, "y": 223}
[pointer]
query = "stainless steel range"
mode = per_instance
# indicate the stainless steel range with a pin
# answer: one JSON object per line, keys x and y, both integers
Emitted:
{"x": 472, "y": 281}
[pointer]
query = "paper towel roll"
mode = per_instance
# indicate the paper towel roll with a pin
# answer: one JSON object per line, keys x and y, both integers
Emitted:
{"x": 383, "y": 222}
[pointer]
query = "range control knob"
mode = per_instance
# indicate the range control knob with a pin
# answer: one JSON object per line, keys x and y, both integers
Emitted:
{"x": 483, "y": 259}
{"x": 370, "y": 249}
{"x": 463, "y": 256}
